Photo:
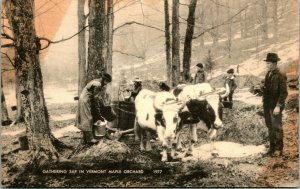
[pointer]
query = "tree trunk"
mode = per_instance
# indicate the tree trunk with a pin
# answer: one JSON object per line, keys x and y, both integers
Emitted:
{"x": 110, "y": 22}
{"x": 20, "y": 111}
{"x": 202, "y": 14}
{"x": 187, "y": 51}
{"x": 175, "y": 44}
{"x": 229, "y": 32}
{"x": 264, "y": 27}
{"x": 96, "y": 50}
{"x": 81, "y": 47}
{"x": 275, "y": 19}
{"x": 27, "y": 63}
{"x": 168, "y": 43}
{"x": 216, "y": 31}
{"x": 242, "y": 24}
{"x": 4, "y": 113}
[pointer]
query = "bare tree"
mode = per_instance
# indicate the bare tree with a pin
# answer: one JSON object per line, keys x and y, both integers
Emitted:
{"x": 229, "y": 29}
{"x": 81, "y": 47}
{"x": 210, "y": 64}
{"x": 264, "y": 17}
{"x": 187, "y": 51}
{"x": 96, "y": 47}
{"x": 110, "y": 27}
{"x": 202, "y": 17}
{"x": 168, "y": 42}
{"x": 21, "y": 16}
{"x": 4, "y": 114}
{"x": 216, "y": 21}
{"x": 175, "y": 43}
{"x": 275, "y": 19}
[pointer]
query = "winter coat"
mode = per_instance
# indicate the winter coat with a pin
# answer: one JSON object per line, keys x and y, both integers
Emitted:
{"x": 88, "y": 110}
{"x": 229, "y": 85}
{"x": 275, "y": 89}
{"x": 200, "y": 77}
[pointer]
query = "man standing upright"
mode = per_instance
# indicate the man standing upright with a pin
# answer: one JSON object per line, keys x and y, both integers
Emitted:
{"x": 230, "y": 87}
{"x": 274, "y": 95}
{"x": 200, "y": 76}
{"x": 89, "y": 103}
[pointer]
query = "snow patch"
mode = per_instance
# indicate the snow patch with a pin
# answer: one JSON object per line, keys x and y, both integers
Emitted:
{"x": 65, "y": 131}
{"x": 224, "y": 150}
{"x": 13, "y": 133}
{"x": 63, "y": 117}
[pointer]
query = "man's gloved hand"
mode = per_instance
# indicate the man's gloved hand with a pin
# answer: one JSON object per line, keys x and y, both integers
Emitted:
{"x": 276, "y": 110}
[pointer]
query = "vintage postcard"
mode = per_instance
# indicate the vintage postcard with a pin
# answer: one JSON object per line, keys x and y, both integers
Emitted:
{"x": 149, "y": 93}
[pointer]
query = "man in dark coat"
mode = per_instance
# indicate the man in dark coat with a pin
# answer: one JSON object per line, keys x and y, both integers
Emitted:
{"x": 200, "y": 76}
{"x": 88, "y": 111}
{"x": 230, "y": 87}
{"x": 137, "y": 87}
{"x": 274, "y": 95}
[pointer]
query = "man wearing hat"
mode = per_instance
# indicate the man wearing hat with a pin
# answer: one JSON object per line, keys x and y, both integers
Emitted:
{"x": 200, "y": 76}
{"x": 137, "y": 87}
{"x": 230, "y": 86}
{"x": 274, "y": 95}
{"x": 88, "y": 111}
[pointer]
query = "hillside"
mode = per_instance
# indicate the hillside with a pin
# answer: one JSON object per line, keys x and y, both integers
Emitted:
{"x": 248, "y": 53}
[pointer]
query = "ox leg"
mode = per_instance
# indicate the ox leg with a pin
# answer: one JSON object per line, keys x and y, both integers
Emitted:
{"x": 137, "y": 132}
{"x": 194, "y": 138}
{"x": 161, "y": 133}
{"x": 179, "y": 142}
{"x": 194, "y": 132}
{"x": 164, "y": 153}
{"x": 148, "y": 144}
{"x": 142, "y": 138}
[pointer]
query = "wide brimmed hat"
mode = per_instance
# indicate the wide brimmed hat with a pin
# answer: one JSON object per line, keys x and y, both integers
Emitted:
{"x": 136, "y": 79}
{"x": 199, "y": 65}
{"x": 230, "y": 71}
{"x": 272, "y": 57}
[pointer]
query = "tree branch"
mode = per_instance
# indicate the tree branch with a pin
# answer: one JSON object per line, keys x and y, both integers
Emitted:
{"x": 134, "y": 22}
{"x": 117, "y": 51}
{"x": 9, "y": 59}
{"x": 7, "y": 36}
{"x": 6, "y": 70}
{"x": 54, "y": 42}
{"x": 224, "y": 23}
{"x": 9, "y": 45}
{"x": 127, "y": 5}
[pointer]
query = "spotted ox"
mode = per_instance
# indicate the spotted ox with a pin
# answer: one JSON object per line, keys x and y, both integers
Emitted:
{"x": 202, "y": 105}
{"x": 157, "y": 112}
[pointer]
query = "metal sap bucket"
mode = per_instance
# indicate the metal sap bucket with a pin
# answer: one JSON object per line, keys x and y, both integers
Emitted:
{"x": 100, "y": 128}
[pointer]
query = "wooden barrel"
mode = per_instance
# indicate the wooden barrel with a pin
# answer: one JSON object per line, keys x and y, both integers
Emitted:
{"x": 125, "y": 115}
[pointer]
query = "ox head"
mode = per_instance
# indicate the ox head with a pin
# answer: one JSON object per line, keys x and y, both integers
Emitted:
{"x": 169, "y": 106}
{"x": 216, "y": 105}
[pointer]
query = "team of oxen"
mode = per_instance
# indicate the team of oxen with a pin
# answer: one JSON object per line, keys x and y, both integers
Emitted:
{"x": 166, "y": 112}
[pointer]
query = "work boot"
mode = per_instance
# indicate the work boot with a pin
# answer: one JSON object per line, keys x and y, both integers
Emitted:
{"x": 88, "y": 138}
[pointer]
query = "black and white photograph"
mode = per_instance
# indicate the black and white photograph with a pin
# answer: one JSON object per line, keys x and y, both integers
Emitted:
{"x": 149, "y": 93}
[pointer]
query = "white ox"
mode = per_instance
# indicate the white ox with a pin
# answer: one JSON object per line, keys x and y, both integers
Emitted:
{"x": 158, "y": 112}
{"x": 202, "y": 104}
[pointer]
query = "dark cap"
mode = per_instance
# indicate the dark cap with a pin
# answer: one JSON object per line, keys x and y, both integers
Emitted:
{"x": 107, "y": 77}
{"x": 272, "y": 57}
{"x": 200, "y": 65}
{"x": 230, "y": 71}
